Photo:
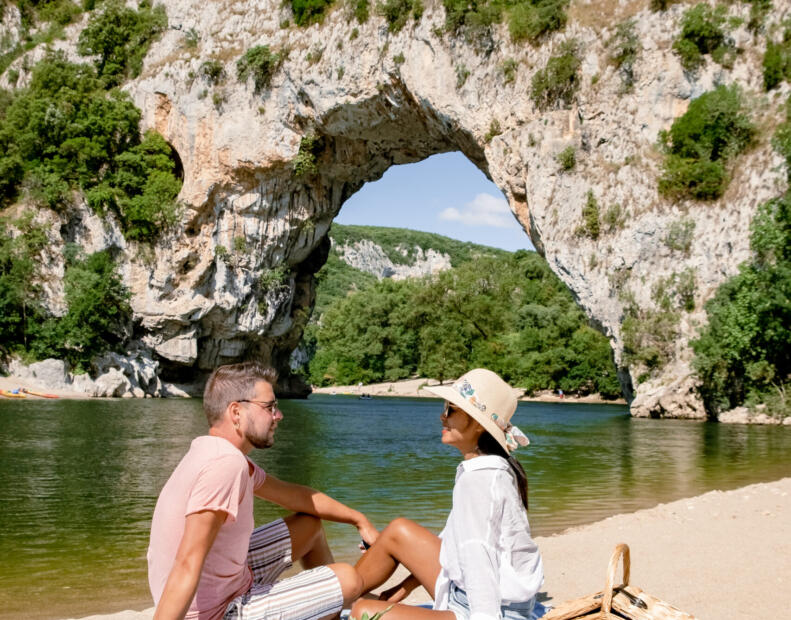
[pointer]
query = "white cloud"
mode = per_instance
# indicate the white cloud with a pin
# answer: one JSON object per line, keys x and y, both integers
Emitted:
{"x": 483, "y": 210}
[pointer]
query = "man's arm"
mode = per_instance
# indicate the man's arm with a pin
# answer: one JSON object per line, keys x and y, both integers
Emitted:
{"x": 298, "y": 498}
{"x": 200, "y": 530}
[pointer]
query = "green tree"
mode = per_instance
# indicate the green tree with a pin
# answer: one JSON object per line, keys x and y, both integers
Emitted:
{"x": 119, "y": 37}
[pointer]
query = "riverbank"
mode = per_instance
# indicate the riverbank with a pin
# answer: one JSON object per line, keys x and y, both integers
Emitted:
{"x": 719, "y": 555}
{"x": 412, "y": 388}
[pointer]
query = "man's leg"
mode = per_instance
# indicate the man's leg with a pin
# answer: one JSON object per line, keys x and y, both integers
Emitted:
{"x": 308, "y": 542}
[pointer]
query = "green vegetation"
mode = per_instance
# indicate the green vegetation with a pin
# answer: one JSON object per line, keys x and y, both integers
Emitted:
{"x": 212, "y": 71}
{"x": 260, "y": 63}
{"x": 567, "y": 158}
{"x": 120, "y": 37}
{"x": 624, "y": 47}
{"x": 614, "y": 218}
{"x": 46, "y": 18}
{"x": 700, "y": 144}
{"x": 703, "y": 32}
{"x": 649, "y": 335}
{"x": 555, "y": 85}
{"x": 590, "y": 226}
{"x": 308, "y": 12}
{"x": 305, "y": 162}
{"x": 743, "y": 355}
{"x": 509, "y": 68}
{"x": 97, "y": 314}
{"x": 397, "y": 12}
{"x": 399, "y": 244}
{"x": 66, "y": 132}
{"x": 361, "y": 10}
{"x": 528, "y": 20}
{"x": 508, "y": 312}
{"x": 462, "y": 73}
{"x": 680, "y": 235}
{"x": 781, "y": 141}
{"x": 494, "y": 130}
{"x": 777, "y": 60}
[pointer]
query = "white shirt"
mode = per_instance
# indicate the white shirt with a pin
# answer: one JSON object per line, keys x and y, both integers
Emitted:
{"x": 487, "y": 550}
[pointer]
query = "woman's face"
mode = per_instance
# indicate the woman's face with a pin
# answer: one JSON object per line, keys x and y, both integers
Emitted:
{"x": 459, "y": 430}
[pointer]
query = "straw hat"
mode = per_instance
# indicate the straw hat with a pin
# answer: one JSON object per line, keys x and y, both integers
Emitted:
{"x": 489, "y": 400}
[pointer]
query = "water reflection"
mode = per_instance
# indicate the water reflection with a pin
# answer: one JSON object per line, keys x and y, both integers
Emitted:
{"x": 79, "y": 479}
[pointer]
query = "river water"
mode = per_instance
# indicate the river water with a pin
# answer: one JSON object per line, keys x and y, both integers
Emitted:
{"x": 79, "y": 479}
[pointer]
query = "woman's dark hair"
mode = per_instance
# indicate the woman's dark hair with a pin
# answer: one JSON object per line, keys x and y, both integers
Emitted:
{"x": 489, "y": 445}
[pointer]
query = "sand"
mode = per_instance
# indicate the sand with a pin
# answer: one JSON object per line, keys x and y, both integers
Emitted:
{"x": 12, "y": 383}
{"x": 719, "y": 556}
{"x": 412, "y": 388}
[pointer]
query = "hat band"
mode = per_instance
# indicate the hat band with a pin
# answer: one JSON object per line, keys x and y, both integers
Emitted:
{"x": 513, "y": 436}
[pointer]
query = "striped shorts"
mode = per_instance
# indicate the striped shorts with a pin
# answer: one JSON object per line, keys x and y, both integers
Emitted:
{"x": 310, "y": 595}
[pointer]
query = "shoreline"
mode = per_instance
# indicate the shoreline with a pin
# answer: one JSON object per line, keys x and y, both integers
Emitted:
{"x": 411, "y": 388}
{"x": 719, "y": 555}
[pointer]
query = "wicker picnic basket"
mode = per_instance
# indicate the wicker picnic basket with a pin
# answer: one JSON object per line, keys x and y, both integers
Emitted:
{"x": 618, "y": 602}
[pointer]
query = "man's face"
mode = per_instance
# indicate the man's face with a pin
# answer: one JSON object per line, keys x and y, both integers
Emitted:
{"x": 261, "y": 416}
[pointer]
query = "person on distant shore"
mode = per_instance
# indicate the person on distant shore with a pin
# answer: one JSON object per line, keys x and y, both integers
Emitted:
{"x": 484, "y": 564}
{"x": 205, "y": 559}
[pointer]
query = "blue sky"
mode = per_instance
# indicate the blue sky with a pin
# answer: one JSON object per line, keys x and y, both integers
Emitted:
{"x": 443, "y": 194}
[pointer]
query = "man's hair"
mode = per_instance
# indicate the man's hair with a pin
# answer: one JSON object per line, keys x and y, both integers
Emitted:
{"x": 231, "y": 383}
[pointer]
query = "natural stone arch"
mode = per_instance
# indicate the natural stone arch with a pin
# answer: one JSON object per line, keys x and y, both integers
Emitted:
{"x": 198, "y": 306}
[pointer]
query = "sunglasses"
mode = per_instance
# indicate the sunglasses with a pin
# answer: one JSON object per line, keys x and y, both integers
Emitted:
{"x": 448, "y": 410}
{"x": 270, "y": 407}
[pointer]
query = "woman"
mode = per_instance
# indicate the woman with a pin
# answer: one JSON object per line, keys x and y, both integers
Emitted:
{"x": 484, "y": 564}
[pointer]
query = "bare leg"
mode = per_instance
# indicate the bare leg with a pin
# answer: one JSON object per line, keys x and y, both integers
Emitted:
{"x": 398, "y": 612}
{"x": 308, "y": 542}
{"x": 402, "y": 542}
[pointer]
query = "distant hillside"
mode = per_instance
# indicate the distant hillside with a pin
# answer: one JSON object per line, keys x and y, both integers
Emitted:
{"x": 362, "y": 255}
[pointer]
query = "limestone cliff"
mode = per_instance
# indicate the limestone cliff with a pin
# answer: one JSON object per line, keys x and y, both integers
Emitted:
{"x": 367, "y": 102}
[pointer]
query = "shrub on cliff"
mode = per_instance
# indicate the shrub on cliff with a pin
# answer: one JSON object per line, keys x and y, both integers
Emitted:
{"x": 260, "y": 63}
{"x": 744, "y": 353}
{"x": 700, "y": 143}
{"x": 555, "y": 85}
{"x": 65, "y": 132}
{"x": 624, "y": 46}
{"x": 98, "y": 315}
{"x": 703, "y": 32}
{"x": 528, "y": 20}
{"x": 397, "y": 12}
{"x": 777, "y": 61}
{"x": 309, "y": 11}
{"x": 120, "y": 37}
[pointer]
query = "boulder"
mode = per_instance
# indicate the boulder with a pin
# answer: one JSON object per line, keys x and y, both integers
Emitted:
{"x": 678, "y": 399}
{"x": 112, "y": 383}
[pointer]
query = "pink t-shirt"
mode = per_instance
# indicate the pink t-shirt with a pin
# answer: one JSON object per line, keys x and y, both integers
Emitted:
{"x": 213, "y": 475}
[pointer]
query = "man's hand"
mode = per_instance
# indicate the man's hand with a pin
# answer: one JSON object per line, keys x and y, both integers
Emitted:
{"x": 367, "y": 530}
{"x": 200, "y": 530}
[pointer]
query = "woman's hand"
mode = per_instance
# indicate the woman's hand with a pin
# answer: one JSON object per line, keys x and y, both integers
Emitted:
{"x": 398, "y": 593}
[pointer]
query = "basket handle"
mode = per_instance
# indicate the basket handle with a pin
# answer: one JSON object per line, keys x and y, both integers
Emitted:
{"x": 621, "y": 551}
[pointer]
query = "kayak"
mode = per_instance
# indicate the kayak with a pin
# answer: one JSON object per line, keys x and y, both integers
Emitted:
{"x": 8, "y": 394}
{"x": 39, "y": 394}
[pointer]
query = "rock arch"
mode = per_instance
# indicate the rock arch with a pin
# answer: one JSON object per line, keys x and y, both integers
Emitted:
{"x": 237, "y": 280}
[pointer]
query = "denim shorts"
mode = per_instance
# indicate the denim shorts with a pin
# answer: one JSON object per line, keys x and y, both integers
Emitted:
{"x": 458, "y": 604}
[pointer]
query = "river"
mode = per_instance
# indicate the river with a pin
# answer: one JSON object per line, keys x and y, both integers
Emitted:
{"x": 79, "y": 479}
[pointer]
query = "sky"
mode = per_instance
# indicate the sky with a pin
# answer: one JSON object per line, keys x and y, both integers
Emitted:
{"x": 444, "y": 194}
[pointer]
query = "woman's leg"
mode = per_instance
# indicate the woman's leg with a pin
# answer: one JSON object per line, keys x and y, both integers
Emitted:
{"x": 398, "y": 612}
{"x": 402, "y": 542}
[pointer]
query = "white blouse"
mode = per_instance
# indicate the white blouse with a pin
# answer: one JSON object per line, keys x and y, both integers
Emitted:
{"x": 487, "y": 550}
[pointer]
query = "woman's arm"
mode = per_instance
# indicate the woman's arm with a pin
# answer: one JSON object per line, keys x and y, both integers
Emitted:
{"x": 299, "y": 498}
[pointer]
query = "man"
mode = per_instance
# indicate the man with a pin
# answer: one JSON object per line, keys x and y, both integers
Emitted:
{"x": 205, "y": 560}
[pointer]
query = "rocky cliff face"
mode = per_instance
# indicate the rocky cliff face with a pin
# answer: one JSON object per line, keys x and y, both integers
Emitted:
{"x": 369, "y": 257}
{"x": 378, "y": 99}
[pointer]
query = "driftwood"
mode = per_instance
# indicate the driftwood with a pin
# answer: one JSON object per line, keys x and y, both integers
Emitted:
{"x": 618, "y": 602}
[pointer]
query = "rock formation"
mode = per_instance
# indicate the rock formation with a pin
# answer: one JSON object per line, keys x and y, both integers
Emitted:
{"x": 370, "y": 101}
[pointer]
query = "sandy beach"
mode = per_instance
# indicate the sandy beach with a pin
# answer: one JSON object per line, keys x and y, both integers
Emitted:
{"x": 719, "y": 555}
{"x": 412, "y": 388}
